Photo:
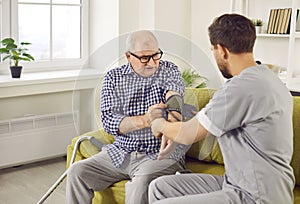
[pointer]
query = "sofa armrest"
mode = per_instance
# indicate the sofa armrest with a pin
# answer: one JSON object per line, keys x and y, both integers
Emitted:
{"x": 86, "y": 149}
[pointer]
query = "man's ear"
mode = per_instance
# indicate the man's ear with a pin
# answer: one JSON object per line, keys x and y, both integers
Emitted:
{"x": 223, "y": 51}
{"x": 127, "y": 54}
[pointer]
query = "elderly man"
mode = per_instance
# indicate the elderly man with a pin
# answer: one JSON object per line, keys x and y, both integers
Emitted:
{"x": 129, "y": 97}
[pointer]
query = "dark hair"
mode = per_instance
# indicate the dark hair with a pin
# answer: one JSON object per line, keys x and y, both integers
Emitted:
{"x": 233, "y": 31}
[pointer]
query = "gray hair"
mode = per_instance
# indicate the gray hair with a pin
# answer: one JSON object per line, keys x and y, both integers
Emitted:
{"x": 141, "y": 40}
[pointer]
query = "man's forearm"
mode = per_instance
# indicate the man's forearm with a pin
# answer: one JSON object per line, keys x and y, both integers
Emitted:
{"x": 181, "y": 132}
{"x": 129, "y": 124}
{"x": 132, "y": 123}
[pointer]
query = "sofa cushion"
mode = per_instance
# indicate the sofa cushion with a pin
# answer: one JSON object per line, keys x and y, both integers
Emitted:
{"x": 206, "y": 150}
{"x": 113, "y": 195}
{"x": 203, "y": 167}
{"x": 296, "y": 125}
{"x": 87, "y": 149}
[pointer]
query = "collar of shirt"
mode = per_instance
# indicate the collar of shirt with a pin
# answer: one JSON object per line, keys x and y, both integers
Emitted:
{"x": 128, "y": 69}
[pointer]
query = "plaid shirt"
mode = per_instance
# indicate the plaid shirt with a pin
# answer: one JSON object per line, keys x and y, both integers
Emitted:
{"x": 124, "y": 93}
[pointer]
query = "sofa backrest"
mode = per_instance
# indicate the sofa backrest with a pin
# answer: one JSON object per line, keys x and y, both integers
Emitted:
{"x": 200, "y": 97}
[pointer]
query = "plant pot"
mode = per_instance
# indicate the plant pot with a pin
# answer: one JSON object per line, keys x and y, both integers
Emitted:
{"x": 258, "y": 29}
{"x": 15, "y": 71}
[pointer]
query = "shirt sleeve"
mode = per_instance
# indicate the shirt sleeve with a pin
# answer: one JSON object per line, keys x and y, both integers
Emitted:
{"x": 111, "y": 115}
{"x": 227, "y": 110}
{"x": 174, "y": 80}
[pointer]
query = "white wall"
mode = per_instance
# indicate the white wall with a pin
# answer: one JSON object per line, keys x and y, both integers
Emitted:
{"x": 202, "y": 17}
{"x": 30, "y": 105}
{"x": 173, "y": 16}
{"x": 103, "y": 22}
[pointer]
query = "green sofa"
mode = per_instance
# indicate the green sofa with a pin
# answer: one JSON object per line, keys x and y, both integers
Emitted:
{"x": 211, "y": 164}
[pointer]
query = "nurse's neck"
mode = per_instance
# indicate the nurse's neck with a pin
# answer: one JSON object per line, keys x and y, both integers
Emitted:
{"x": 239, "y": 62}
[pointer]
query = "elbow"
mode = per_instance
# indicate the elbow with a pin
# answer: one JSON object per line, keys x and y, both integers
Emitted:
{"x": 108, "y": 128}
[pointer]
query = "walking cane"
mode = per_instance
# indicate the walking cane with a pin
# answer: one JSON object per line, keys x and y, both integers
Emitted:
{"x": 94, "y": 141}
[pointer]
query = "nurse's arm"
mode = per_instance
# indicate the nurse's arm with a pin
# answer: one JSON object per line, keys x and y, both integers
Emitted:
{"x": 181, "y": 132}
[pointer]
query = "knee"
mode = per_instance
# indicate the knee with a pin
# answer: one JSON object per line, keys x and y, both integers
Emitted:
{"x": 76, "y": 170}
{"x": 154, "y": 191}
{"x": 156, "y": 183}
{"x": 145, "y": 181}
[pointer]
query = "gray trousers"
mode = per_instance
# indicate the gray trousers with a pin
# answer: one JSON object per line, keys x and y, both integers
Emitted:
{"x": 194, "y": 189}
{"x": 97, "y": 173}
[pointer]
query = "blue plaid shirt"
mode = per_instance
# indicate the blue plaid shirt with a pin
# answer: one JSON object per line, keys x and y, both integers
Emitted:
{"x": 124, "y": 93}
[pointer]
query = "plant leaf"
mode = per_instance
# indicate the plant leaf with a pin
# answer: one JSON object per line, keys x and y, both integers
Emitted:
{"x": 28, "y": 56}
{"x": 7, "y": 41}
{"x": 25, "y": 43}
{"x": 14, "y": 52}
{"x": 6, "y": 57}
{"x": 24, "y": 58}
{"x": 191, "y": 77}
{"x": 23, "y": 49}
{"x": 4, "y": 50}
{"x": 202, "y": 85}
{"x": 11, "y": 46}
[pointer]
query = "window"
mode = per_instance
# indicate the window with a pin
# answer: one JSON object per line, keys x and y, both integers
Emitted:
{"x": 57, "y": 30}
{"x": 4, "y": 20}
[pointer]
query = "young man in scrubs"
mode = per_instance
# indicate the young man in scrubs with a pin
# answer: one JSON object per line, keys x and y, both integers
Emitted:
{"x": 251, "y": 117}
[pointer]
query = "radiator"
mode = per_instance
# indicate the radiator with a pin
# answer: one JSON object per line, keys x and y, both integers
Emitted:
{"x": 34, "y": 138}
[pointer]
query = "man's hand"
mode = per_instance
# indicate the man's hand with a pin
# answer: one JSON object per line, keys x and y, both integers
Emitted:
{"x": 155, "y": 112}
{"x": 157, "y": 126}
{"x": 174, "y": 116}
{"x": 167, "y": 147}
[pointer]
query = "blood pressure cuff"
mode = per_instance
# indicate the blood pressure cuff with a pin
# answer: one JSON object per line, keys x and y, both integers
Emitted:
{"x": 176, "y": 103}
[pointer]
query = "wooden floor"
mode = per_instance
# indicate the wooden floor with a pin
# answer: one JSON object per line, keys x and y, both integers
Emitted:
{"x": 28, "y": 183}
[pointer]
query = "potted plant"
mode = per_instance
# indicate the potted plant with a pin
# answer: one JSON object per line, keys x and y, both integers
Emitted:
{"x": 258, "y": 23}
{"x": 16, "y": 54}
{"x": 193, "y": 79}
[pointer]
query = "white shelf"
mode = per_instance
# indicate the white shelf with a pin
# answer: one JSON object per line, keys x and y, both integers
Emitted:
{"x": 265, "y": 35}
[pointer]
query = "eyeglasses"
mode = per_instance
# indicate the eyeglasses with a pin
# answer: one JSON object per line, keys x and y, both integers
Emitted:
{"x": 146, "y": 58}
